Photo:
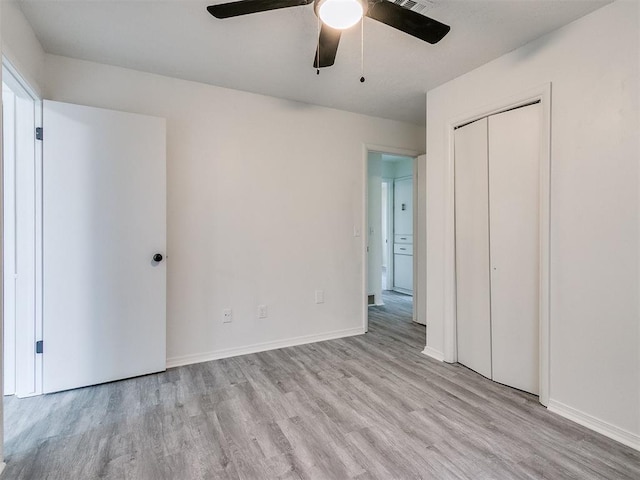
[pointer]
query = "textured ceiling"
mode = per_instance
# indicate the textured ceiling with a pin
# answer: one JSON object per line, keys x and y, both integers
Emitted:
{"x": 272, "y": 52}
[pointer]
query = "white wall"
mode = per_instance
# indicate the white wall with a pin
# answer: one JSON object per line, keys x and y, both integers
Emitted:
{"x": 397, "y": 168}
{"x": 388, "y": 170}
{"x": 260, "y": 211}
{"x": 21, "y": 47}
{"x": 403, "y": 168}
{"x": 594, "y": 315}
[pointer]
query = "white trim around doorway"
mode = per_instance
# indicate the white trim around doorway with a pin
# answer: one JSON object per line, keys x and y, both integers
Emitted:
{"x": 29, "y": 330}
{"x": 364, "y": 224}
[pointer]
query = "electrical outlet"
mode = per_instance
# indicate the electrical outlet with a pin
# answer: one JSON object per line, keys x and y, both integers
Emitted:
{"x": 262, "y": 311}
{"x": 319, "y": 296}
{"x": 227, "y": 315}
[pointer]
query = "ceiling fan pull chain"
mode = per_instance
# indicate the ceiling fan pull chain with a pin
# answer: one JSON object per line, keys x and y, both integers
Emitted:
{"x": 318, "y": 49}
{"x": 362, "y": 49}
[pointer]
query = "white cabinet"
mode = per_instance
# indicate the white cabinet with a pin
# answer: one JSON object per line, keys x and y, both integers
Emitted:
{"x": 403, "y": 235}
{"x": 404, "y": 238}
{"x": 403, "y": 249}
{"x": 497, "y": 246}
{"x": 403, "y": 279}
{"x": 403, "y": 206}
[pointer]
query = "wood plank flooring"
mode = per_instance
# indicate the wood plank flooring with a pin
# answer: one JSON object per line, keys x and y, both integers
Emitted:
{"x": 363, "y": 407}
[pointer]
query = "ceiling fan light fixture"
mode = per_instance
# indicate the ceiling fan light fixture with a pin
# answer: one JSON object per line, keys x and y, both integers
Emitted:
{"x": 340, "y": 14}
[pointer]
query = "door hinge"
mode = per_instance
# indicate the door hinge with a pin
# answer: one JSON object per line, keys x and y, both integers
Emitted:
{"x": 39, "y": 346}
{"x": 39, "y": 133}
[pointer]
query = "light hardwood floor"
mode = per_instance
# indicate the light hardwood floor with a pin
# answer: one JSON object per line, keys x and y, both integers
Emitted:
{"x": 363, "y": 407}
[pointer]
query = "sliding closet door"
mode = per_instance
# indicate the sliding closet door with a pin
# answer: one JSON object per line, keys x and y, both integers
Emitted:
{"x": 472, "y": 247}
{"x": 514, "y": 152}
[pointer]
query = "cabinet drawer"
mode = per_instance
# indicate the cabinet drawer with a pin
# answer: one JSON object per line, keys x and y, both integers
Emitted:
{"x": 403, "y": 249}
{"x": 403, "y": 239}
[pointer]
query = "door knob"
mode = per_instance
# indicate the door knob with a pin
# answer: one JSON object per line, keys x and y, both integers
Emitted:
{"x": 157, "y": 257}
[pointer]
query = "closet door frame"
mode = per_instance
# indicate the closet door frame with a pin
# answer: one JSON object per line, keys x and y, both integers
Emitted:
{"x": 540, "y": 94}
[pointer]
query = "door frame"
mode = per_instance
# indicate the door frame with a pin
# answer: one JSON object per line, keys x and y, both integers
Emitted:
{"x": 28, "y": 362}
{"x": 542, "y": 94}
{"x": 364, "y": 223}
{"x": 389, "y": 246}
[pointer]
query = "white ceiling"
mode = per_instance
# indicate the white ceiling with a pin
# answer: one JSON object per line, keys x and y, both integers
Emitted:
{"x": 272, "y": 52}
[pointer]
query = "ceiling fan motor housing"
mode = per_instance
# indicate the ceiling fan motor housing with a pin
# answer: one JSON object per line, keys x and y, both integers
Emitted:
{"x": 341, "y": 15}
{"x": 318, "y": 3}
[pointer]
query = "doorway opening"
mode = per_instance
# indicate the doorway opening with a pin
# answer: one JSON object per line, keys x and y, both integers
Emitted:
{"x": 22, "y": 213}
{"x": 390, "y": 235}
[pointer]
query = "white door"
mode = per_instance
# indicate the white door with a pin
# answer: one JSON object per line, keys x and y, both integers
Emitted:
{"x": 514, "y": 152}
{"x": 473, "y": 307}
{"x": 104, "y": 196}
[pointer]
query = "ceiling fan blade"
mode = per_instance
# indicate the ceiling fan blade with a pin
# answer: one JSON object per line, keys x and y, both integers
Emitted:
{"x": 245, "y": 7}
{"x": 327, "y": 47}
{"x": 408, "y": 21}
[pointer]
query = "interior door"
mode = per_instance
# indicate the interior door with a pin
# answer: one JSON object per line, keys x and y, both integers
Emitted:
{"x": 514, "y": 152}
{"x": 104, "y": 200}
{"x": 473, "y": 305}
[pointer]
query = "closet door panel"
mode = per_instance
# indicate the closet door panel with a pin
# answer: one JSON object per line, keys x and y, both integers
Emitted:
{"x": 472, "y": 247}
{"x": 514, "y": 151}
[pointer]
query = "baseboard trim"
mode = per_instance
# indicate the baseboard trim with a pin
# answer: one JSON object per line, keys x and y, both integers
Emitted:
{"x": 261, "y": 347}
{"x": 433, "y": 353}
{"x": 616, "y": 433}
{"x": 2, "y": 465}
{"x": 404, "y": 291}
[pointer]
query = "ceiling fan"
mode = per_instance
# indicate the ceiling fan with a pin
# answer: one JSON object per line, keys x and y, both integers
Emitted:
{"x": 338, "y": 15}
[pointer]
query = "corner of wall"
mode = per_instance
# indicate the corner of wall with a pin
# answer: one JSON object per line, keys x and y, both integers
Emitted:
{"x": 21, "y": 47}
{"x": 607, "y": 429}
{"x": 433, "y": 353}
